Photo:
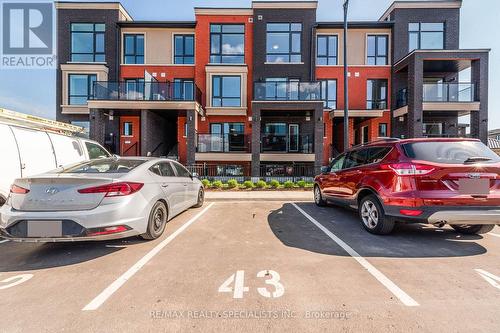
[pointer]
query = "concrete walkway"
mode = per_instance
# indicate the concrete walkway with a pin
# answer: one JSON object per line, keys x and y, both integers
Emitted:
{"x": 259, "y": 195}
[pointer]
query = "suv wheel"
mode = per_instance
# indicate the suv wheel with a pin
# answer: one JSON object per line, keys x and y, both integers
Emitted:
{"x": 318, "y": 198}
{"x": 373, "y": 217}
{"x": 473, "y": 229}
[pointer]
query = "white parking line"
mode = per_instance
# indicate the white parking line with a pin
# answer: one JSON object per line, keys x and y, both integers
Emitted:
{"x": 492, "y": 234}
{"x": 398, "y": 292}
{"x": 113, "y": 287}
{"x": 4, "y": 241}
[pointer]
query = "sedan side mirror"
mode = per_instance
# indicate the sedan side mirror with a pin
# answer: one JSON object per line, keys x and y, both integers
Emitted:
{"x": 325, "y": 169}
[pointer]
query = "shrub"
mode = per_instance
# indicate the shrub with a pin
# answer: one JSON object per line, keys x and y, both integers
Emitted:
{"x": 260, "y": 184}
{"x": 288, "y": 184}
{"x": 274, "y": 183}
{"x": 217, "y": 184}
{"x": 232, "y": 183}
{"x": 248, "y": 184}
{"x": 309, "y": 185}
{"x": 301, "y": 183}
{"x": 206, "y": 183}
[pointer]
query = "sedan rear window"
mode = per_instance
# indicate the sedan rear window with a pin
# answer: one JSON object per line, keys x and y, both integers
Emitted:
{"x": 105, "y": 166}
{"x": 450, "y": 152}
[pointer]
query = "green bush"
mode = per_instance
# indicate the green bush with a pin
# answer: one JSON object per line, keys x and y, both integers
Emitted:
{"x": 288, "y": 184}
{"x": 301, "y": 183}
{"x": 274, "y": 183}
{"x": 261, "y": 184}
{"x": 248, "y": 184}
{"x": 309, "y": 185}
{"x": 206, "y": 183}
{"x": 232, "y": 183}
{"x": 217, "y": 184}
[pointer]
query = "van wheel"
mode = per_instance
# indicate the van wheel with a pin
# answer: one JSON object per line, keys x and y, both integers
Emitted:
{"x": 318, "y": 198}
{"x": 157, "y": 221}
{"x": 476, "y": 229}
{"x": 201, "y": 198}
{"x": 2, "y": 201}
{"x": 373, "y": 217}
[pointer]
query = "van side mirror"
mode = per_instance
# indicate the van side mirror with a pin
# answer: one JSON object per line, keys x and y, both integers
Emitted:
{"x": 324, "y": 170}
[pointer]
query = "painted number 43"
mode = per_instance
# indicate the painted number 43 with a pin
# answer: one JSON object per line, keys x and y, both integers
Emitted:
{"x": 236, "y": 284}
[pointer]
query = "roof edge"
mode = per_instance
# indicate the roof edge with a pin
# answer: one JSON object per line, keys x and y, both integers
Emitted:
{"x": 420, "y": 4}
{"x": 93, "y": 5}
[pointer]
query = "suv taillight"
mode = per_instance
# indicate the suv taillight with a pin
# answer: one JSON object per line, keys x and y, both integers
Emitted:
{"x": 114, "y": 189}
{"x": 409, "y": 169}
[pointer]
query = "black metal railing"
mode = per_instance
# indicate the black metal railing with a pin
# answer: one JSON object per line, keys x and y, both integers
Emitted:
{"x": 283, "y": 143}
{"x": 287, "y": 91}
{"x": 222, "y": 143}
{"x": 284, "y": 172}
{"x": 448, "y": 92}
{"x": 220, "y": 171}
{"x": 146, "y": 91}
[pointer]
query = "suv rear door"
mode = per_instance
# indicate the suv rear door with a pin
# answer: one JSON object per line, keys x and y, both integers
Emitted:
{"x": 352, "y": 173}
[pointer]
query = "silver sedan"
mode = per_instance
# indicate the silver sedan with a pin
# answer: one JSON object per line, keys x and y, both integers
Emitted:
{"x": 102, "y": 199}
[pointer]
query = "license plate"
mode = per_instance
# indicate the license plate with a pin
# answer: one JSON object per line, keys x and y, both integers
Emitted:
{"x": 44, "y": 228}
{"x": 474, "y": 186}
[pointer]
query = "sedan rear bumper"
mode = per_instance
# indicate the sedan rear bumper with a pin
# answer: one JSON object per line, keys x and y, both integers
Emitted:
{"x": 120, "y": 235}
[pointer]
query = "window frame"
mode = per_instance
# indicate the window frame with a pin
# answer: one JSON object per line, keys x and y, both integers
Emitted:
{"x": 327, "y": 100}
{"x": 183, "y": 56}
{"x": 290, "y": 33}
{"x": 372, "y": 101}
{"x": 386, "y": 129}
{"x": 135, "y": 54}
{"x": 327, "y": 56}
{"x": 377, "y": 55}
{"x": 90, "y": 87}
{"x": 220, "y": 53}
{"x": 419, "y": 34}
{"x": 182, "y": 82}
{"x": 94, "y": 39}
{"x": 221, "y": 96}
{"x": 176, "y": 165}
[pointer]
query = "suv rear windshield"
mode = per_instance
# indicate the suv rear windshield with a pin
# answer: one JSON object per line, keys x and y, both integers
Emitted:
{"x": 450, "y": 152}
{"x": 105, "y": 166}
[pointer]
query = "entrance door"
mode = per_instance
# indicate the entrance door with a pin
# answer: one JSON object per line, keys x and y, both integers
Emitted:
{"x": 130, "y": 136}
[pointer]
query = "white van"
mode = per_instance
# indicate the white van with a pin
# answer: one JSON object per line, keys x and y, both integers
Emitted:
{"x": 26, "y": 152}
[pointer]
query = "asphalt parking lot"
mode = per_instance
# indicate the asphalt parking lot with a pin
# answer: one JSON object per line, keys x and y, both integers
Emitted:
{"x": 255, "y": 266}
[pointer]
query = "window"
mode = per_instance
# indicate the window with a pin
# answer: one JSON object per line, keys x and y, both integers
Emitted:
{"x": 87, "y": 42}
{"x": 382, "y": 130}
{"x": 226, "y": 91}
{"x": 227, "y": 43}
{"x": 433, "y": 129}
{"x": 365, "y": 138}
{"x": 356, "y": 158}
{"x": 133, "y": 47}
{"x": 338, "y": 163}
{"x": 227, "y": 136}
{"x": 283, "y": 43}
{"x": 426, "y": 36}
{"x": 127, "y": 129}
{"x": 329, "y": 93}
{"x": 183, "y": 89}
{"x": 326, "y": 50}
{"x": 376, "y": 94}
{"x": 163, "y": 169}
{"x": 85, "y": 125}
{"x": 377, "y": 154}
{"x": 81, "y": 88}
{"x": 181, "y": 171}
{"x": 108, "y": 165}
{"x": 377, "y": 49}
{"x": 452, "y": 152}
{"x": 135, "y": 88}
{"x": 282, "y": 89}
{"x": 184, "y": 49}
{"x": 96, "y": 151}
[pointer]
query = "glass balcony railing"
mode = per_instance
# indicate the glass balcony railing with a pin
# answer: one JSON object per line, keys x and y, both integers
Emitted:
{"x": 222, "y": 143}
{"x": 146, "y": 91}
{"x": 287, "y": 91}
{"x": 282, "y": 143}
{"x": 448, "y": 92}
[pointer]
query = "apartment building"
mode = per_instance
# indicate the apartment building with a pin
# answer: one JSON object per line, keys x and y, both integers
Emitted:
{"x": 259, "y": 91}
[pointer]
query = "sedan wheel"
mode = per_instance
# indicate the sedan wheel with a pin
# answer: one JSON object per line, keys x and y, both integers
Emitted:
{"x": 157, "y": 221}
{"x": 201, "y": 198}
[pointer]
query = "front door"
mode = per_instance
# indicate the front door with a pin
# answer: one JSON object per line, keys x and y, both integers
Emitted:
{"x": 130, "y": 136}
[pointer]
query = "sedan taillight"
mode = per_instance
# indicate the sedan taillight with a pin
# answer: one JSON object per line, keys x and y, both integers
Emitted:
{"x": 114, "y": 189}
{"x": 18, "y": 189}
{"x": 409, "y": 169}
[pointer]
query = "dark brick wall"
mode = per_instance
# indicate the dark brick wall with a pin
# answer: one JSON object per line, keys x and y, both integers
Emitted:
{"x": 112, "y": 41}
{"x": 302, "y": 71}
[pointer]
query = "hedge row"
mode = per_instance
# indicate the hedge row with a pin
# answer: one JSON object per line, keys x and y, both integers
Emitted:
{"x": 247, "y": 185}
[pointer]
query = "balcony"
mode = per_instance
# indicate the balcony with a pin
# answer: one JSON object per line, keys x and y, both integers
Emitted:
{"x": 222, "y": 143}
{"x": 287, "y": 91}
{"x": 448, "y": 92}
{"x": 281, "y": 143}
{"x": 146, "y": 91}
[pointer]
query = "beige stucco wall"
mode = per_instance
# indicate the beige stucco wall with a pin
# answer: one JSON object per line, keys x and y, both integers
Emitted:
{"x": 158, "y": 43}
{"x": 356, "y": 43}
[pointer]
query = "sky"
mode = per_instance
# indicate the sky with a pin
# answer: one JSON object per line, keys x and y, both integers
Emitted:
{"x": 33, "y": 91}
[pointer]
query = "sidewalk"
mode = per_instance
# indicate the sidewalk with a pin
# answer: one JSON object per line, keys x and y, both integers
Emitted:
{"x": 259, "y": 196}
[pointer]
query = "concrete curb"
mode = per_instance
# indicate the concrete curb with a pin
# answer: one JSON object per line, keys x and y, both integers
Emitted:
{"x": 260, "y": 196}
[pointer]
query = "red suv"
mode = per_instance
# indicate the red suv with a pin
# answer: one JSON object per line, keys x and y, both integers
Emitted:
{"x": 436, "y": 181}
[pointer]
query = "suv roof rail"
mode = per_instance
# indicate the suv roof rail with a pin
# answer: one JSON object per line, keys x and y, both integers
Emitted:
{"x": 377, "y": 140}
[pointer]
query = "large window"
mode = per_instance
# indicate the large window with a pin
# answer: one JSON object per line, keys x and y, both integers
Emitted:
{"x": 184, "y": 49}
{"x": 283, "y": 42}
{"x": 327, "y": 48}
{"x": 133, "y": 46}
{"x": 183, "y": 89}
{"x": 227, "y": 136}
{"x": 227, "y": 43}
{"x": 282, "y": 89}
{"x": 426, "y": 36}
{"x": 81, "y": 88}
{"x": 377, "y": 49}
{"x": 376, "y": 94}
{"x": 226, "y": 91}
{"x": 329, "y": 93}
{"x": 382, "y": 130}
{"x": 87, "y": 42}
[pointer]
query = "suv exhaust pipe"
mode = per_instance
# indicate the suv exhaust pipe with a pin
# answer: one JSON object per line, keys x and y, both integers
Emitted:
{"x": 439, "y": 224}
